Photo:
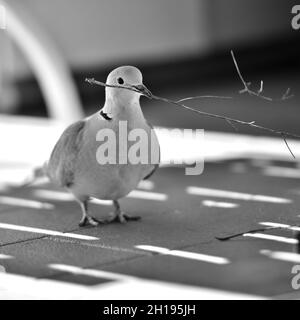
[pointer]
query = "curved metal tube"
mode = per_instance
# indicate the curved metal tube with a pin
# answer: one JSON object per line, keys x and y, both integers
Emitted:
{"x": 50, "y": 69}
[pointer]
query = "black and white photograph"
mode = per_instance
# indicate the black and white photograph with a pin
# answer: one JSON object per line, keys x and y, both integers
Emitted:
{"x": 149, "y": 152}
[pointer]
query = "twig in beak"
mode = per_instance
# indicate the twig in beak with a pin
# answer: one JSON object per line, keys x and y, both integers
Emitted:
{"x": 230, "y": 121}
{"x": 103, "y": 84}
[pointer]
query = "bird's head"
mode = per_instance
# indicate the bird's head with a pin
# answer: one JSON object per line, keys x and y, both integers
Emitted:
{"x": 130, "y": 77}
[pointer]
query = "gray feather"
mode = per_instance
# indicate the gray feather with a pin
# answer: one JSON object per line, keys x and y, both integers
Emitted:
{"x": 157, "y": 165}
{"x": 62, "y": 163}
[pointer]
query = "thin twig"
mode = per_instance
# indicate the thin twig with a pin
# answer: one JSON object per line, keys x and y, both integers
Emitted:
{"x": 250, "y": 231}
{"x": 287, "y": 95}
{"x": 231, "y": 121}
{"x": 258, "y": 93}
{"x": 253, "y": 231}
{"x": 232, "y": 125}
{"x": 287, "y": 145}
{"x": 203, "y": 97}
{"x": 103, "y": 84}
{"x": 203, "y": 113}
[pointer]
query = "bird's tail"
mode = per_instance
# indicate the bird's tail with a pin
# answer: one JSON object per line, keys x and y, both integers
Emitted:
{"x": 37, "y": 173}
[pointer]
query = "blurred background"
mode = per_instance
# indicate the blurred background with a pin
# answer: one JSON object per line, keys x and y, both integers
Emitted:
{"x": 182, "y": 48}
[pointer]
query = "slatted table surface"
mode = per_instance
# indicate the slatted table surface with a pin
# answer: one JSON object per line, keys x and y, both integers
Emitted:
{"x": 173, "y": 251}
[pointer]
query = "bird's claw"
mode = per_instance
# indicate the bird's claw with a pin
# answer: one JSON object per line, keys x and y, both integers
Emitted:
{"x": 122, "y": 218}
{"x": 85, "y": 221}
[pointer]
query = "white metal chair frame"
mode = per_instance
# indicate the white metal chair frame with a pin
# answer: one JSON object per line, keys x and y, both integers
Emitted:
{"x": 47, "y": 63}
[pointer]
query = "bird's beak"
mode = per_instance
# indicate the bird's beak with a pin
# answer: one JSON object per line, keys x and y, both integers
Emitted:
{"x": 143, "y": 90}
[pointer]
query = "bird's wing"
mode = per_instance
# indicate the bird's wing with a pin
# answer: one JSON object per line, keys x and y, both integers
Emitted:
{"x": 156, "y": 165}
{"x": 63, "y": 159}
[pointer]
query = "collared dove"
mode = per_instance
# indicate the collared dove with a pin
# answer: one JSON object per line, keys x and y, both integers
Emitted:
{"x": 73, "y": 163}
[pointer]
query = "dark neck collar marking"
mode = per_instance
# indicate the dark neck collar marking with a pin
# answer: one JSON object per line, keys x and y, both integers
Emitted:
{"x": 105, "y": 115}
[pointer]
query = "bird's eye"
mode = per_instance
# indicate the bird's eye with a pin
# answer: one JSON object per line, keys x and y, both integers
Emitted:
{"x": 120, "y": 81}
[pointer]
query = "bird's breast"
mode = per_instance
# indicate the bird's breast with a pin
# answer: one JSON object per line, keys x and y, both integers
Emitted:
{"x": 113, "y": 159}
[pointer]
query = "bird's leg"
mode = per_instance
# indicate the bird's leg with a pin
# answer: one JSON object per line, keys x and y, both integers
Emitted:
{"x": 86, "y": 219}
{"x": 120, "y": 216}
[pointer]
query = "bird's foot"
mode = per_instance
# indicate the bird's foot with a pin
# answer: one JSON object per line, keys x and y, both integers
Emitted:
{"x": 121, "y": 217}
{"x": 87, "y": 220}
